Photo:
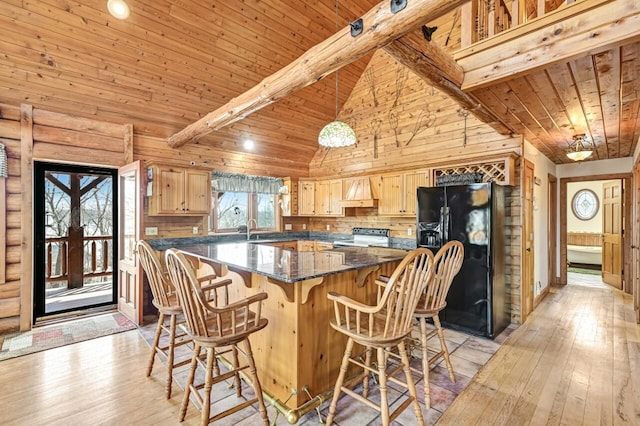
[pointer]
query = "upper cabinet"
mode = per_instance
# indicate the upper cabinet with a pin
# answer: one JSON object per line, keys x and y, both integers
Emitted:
{"x": 328, "y": 197}
{"x": 306, "y": 197}
{"x": 320, "y": 198}
{"x": 179, "y": 191}
{"x": 398, "y": 192}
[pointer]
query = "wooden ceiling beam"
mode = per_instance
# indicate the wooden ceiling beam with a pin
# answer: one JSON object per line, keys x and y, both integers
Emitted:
{"x": 580, "y": 29}
{"x": 430, "y": 62}
{"x": 381, "y": 26}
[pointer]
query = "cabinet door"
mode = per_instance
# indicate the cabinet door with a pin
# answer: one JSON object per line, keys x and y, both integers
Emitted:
{"x": 391, "y": 195}
{"x": 321, "y": 245}
{"x": 306, "y": 246}
{"x": 323, "y": 197}
{"x": 306, "y": 198}
{"x": 411, "y": 183}
{"x": 335, "y": 196}
{"x": 290, "y": 245}
{"x": 170, "y": 191}
{"x": 198, "y": 192}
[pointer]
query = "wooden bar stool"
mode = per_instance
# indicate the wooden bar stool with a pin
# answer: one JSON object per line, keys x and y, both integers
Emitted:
{"x": 165, "y": 300}
{"x": 211, "y": 327}
{"x": 382, "y": 327}
{"x": 447, "y": 263}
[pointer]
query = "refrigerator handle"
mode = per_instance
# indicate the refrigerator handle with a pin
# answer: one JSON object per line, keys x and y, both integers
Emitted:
{"x": 446, "y": 224}
{"x": 442, "y": 233}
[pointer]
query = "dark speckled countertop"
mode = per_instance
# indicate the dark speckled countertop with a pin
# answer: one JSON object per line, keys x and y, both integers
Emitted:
{"x": 291, "y": 266}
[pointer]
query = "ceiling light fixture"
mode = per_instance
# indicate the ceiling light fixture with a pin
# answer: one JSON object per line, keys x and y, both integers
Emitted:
{"x": 337, "y": 133}
{"x": 248, "y": 144}
{"x": 118, "y": 9}
{"x": 578, "y": 151}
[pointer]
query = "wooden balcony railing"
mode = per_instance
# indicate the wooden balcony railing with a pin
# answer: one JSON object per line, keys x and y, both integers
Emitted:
{"x": 96, "y": 262}
{"x": 482, "y": 19}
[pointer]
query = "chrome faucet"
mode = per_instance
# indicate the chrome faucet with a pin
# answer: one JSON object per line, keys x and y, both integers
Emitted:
{"x": 249, "y": 227}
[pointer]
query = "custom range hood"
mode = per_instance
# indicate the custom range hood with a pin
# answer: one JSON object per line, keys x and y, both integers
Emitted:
{"x": 359, "y": 193}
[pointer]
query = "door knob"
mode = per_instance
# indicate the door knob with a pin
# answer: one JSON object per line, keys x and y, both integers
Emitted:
{"x": 529, "y": 249}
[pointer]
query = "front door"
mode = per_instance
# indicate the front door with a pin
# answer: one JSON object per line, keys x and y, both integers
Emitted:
{"x": 75, "y": 234}
{"x": 612, "y": 233}
{"x": 130, "y": 295}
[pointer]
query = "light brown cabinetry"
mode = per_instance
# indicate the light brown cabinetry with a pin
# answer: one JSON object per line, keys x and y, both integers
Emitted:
{"x": 322, "y": 245}
{"x": 306, "y": 245}
{"x": 328, "y": 197}
{"x": 306, "y": 197}
{"x": 398, "y": 192}
{"x": 286, "y": 245}
{"x": 320, "y": 198}
{"x": 178, "y": 191}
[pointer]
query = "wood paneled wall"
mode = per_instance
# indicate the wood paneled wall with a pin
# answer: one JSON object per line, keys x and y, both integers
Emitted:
{"x": 156, "y": 149}
{"x": 430, "y": 131}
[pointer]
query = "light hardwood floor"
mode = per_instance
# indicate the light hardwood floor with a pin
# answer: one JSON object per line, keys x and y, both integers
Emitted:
{"x": 575, "y": 361}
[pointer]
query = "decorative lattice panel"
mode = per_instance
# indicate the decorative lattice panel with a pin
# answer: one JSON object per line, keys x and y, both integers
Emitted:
{"x": 494, "y": 171}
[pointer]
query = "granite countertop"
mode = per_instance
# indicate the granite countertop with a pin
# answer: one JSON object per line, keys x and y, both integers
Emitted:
{"x": 165, "y": 243}
{"x": 291, "y": 266}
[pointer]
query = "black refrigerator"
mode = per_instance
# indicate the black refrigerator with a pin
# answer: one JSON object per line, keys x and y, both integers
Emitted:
{"x": 473, "y": 214}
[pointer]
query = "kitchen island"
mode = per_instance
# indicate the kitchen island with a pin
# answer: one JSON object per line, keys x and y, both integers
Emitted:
{"x": 298, "y": 354}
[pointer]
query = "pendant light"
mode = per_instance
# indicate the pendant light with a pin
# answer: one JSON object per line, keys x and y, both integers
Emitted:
{"x": 337, "y": 133}
{"x": 578, "y": 151}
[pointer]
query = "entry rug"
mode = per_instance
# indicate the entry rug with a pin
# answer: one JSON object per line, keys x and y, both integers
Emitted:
{"x": 55, "y": 335}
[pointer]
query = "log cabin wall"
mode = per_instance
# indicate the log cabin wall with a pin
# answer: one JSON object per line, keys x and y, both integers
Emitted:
{"x": 30, "y": 134}
{"x": 415, "y": 127}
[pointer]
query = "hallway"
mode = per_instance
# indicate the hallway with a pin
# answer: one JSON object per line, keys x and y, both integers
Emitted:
{"x": 576, "y": 360}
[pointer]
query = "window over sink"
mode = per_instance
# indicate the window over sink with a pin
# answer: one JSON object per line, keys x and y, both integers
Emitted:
{"x": 244, "y": 200}
{"x": 232, "y": 210}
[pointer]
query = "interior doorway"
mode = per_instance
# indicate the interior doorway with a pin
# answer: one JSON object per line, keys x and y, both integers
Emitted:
{"x": 594, "y": 216}
{"x": 75, "y": 231}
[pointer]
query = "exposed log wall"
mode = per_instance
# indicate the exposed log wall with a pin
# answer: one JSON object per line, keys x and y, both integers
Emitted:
{"x": 33, "y": 134}
{"x": 66, "y": 138}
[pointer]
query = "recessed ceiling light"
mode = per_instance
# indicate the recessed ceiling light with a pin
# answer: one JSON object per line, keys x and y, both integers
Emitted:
{"x": 118, "y": 9}
{"x": 248, "y": 144}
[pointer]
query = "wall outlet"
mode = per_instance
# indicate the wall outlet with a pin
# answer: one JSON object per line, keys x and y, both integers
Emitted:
{"x": 195, "y": 230}
{"x": 409, "y": 231}
{"x": 328, "y": 227}
{"x": 151, "y": 230}
{"x": 287, "y": 227}
{"x": 304, "y": 226}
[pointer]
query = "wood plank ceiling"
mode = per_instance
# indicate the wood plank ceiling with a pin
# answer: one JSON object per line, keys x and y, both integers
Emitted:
{"x": 173, "y": 61}
{"x": 598, "y": 95}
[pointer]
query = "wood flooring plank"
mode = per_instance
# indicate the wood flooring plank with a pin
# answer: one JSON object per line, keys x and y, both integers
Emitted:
{"x": 576, "y": 360}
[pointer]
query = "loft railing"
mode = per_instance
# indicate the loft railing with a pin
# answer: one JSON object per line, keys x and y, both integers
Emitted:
{"x": 96, "y": 262}
{"x": 482, "y": 19}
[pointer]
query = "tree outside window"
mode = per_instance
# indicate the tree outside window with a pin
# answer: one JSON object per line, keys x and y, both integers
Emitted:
{"x": 232, "y": 210}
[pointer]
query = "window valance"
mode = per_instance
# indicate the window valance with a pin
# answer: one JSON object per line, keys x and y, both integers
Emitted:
{"x": 232, "y": 182}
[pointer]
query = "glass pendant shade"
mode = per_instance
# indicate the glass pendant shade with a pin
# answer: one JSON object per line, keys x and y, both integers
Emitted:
{"x": 578, "y": 151}
{"x": 337, "y": 134}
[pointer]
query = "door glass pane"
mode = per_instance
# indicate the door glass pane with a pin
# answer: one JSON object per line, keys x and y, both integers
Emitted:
{"x": 128, "y": 217}
{"x": 74, "y": 226}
